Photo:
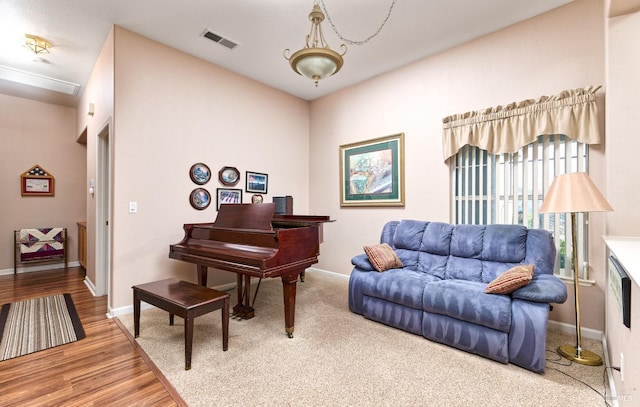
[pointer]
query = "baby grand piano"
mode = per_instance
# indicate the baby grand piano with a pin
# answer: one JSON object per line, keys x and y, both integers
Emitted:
{"x": 248, "y": 239}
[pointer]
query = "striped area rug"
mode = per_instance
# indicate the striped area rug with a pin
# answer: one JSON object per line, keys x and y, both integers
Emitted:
{"x": 36, "y": 324}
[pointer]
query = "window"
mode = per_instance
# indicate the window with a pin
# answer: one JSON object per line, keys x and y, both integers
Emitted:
{"x": 509, "y": 189}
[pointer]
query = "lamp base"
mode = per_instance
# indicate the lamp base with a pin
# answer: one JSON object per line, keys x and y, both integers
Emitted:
{"x": 582, "y": 356}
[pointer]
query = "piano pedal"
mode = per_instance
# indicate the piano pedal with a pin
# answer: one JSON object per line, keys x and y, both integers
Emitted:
{"x": 241, "y": 311}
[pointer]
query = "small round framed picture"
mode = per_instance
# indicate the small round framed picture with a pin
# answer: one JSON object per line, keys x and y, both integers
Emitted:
{"x": 256, "y": 198}
{"x": 229, "y": 176}
{"x": 200, "y": 198}
{"x": 200, "y": 173}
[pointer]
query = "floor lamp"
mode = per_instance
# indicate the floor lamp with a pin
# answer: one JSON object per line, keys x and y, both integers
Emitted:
{"x": 574, "y": 193}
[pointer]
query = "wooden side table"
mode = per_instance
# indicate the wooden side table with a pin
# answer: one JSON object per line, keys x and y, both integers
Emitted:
{"x": 185, "y": 300}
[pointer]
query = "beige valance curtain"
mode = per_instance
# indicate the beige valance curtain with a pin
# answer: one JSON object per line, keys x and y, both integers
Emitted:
{"x": 505, "y": 129}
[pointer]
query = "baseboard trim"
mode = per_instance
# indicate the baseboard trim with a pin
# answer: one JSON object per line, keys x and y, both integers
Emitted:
{"x": 571, "y": 329}
{"x": 41, "y": 267}
{"x": 610, "y": 385}
{"x": 90, "y": 286}
{"x": 329, "y": 273}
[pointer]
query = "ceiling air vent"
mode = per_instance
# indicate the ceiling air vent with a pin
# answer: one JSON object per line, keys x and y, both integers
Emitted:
{"x": 225, "y": 42}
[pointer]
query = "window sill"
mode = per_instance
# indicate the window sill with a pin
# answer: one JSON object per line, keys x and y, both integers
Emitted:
{"x": 581, "y": 281}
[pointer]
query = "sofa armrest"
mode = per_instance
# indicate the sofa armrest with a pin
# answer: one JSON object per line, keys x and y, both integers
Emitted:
{"x": 543, "y": 288}
{"x": 361, "y": 261}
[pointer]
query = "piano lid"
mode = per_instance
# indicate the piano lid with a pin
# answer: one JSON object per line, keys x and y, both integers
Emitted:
{"x": 245, "y": 216}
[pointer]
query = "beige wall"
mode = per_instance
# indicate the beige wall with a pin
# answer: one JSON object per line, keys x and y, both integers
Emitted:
{"x": 171, "y": 111}
{"x": 559, "y": 50}
{"x": 99, "y": 91}
{"x": 623, "y": 87}
{"x": 39, "y": 133}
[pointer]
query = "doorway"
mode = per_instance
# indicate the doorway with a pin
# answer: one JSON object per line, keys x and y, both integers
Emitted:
{"x": 103, "y": 211}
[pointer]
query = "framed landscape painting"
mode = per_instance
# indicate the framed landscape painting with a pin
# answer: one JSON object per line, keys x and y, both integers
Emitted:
{"x": 372, "y": 172}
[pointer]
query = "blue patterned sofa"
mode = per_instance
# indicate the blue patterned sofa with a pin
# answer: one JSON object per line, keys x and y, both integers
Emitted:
{"x": 439, "y": 291}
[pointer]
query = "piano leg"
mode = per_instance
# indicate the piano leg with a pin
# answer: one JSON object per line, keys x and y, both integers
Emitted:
{"x": 289, "y": 292}
{"x": 202, "y": 275}
{"x": 247, "y": 291}
{"x": 239, "y": 287}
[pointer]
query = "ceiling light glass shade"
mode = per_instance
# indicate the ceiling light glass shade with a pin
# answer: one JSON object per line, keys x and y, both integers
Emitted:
{"x": 316, "y": 60}
{"x": 36, "y": 44}
{"x": 316, "y": 63}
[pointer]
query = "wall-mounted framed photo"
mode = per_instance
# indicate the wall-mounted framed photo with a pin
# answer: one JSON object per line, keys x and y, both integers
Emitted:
{"x": 228, "y": 196}
{"x": 257, "y": 199}
{"x": 228, "y": 176}
{"x": 256, "y": 182}
{"x": 36, "y": 181}
{"x": 200, "y": 198}
{"x": 372, "y": 172}
{"x": 200, "y": 173}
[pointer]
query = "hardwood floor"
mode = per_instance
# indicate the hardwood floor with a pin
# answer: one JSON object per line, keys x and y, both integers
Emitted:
{"x": 107, "y": 368}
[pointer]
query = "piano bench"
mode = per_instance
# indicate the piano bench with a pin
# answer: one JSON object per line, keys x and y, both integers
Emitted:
{"x": 185, "y": 300}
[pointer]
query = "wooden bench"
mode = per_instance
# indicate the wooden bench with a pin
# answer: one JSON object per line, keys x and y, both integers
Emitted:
{"x": 185, "y": 300}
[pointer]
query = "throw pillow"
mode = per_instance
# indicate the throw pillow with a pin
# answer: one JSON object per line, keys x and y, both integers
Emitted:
{"x": 382, "y": 257}
{"x": 512, "y": 279}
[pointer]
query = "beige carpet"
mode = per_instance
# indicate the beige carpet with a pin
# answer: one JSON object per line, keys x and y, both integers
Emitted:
{"x": 338, "y": 358}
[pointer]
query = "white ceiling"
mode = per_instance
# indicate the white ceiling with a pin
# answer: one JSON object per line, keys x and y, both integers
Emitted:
{"x": 77, "y": 29}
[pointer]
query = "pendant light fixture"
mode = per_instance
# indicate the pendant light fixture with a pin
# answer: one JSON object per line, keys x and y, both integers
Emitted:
{"x": 316, "y": 60}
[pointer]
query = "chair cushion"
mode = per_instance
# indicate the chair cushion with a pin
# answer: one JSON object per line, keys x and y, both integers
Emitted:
{"x": 512, "y": 279}
{"x": 382, "y": 257}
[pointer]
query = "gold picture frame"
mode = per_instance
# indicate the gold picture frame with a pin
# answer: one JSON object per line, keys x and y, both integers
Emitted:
{"x": 372, "y": 172}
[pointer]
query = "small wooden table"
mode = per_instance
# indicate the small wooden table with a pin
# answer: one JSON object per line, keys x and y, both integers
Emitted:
{"x": 185, "y": 300}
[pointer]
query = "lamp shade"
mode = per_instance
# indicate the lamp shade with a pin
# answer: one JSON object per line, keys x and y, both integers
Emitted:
{"x": 574, "y": 192}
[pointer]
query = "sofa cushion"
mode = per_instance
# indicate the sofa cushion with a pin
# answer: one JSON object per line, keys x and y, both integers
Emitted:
{"x": 388, "y": 231}
{"x": 466, "y": 241}
{"x": 432, "y": 264}
{"x": 492, "y": 269}
{"x": 409, "y": 258}
{"x": 504, "y": 243}
{"x": 437, "y": 238}
{"x": 382, "y": 257}
{"x": 541, "y": 251}
{"x": 512, "y": 279}
{"x": 461, "y": 268}
{"x": 408, "y": 234}
{"x": 542, "y": 288}
{"x": 400, "y": 286}
{"x": 467, "y": 301}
